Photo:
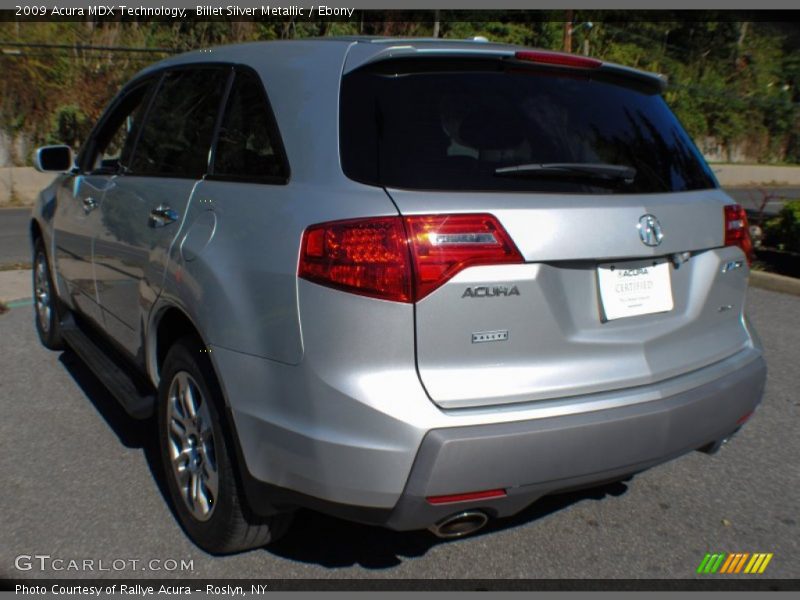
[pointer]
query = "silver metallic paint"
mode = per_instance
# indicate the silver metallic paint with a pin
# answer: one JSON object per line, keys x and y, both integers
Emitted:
{"x": 322, "y": 385}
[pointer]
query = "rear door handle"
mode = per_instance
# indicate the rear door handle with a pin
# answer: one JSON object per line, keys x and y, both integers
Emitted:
{"x": 89, "y": 204}
{"x": 162, "y": 215}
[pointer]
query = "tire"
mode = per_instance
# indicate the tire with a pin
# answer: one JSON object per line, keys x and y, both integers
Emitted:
{"x": 46, "y": 307}
{"x": 197, "y": 458}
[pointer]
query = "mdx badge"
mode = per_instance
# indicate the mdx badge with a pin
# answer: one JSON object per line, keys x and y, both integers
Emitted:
{"x": 490, "y": 292}
{"x": 650, "y": 230}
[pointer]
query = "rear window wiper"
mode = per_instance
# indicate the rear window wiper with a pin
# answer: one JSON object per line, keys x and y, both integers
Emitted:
{"x": 587, "y": 170}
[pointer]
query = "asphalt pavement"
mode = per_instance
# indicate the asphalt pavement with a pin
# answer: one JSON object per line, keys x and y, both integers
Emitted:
{"x": 772, "y": 199}
{"x": 15, "y": 245}
{"x": 81, "y": 481}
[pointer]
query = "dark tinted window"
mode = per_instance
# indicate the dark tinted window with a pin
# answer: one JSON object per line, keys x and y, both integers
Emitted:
{"x": 176, "y": 137}
{"x": 452, "y": 125}
{"x": 112, "y": 145}
{"x": 247, "y": 146}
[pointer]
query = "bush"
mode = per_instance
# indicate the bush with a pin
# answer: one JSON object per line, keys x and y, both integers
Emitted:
{"x": 783, "y": 231}
{"x": 70, "y": 126}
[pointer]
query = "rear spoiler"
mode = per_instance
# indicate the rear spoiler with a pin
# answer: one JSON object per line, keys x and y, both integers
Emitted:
{"x": 361, "y": 54}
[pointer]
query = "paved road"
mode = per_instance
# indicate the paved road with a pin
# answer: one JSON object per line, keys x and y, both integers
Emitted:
{"x": 15, "y": 246}
{"x": 751, "y": 198}
{"x": 79, "y": 480}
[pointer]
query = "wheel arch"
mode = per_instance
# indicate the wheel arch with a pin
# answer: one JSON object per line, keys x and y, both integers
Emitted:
{"x": 168, "y": 325}
{"x": 35, "y": 231}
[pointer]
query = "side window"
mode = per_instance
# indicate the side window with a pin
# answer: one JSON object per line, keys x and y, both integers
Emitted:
{"x": 176, "y": 136}
{"x": 112, "y": 146}
{"x": 248, "y": 146}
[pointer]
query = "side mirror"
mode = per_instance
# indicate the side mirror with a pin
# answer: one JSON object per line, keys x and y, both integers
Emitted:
{"x": 54, "y": 159}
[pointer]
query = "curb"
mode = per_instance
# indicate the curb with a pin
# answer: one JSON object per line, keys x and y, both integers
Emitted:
{"x": 775, "y": 283}
{"x": 6, "y": 306}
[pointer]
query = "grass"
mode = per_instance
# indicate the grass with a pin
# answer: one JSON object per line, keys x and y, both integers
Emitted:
{"x": 16, "y": 202}
{"x": 14, "y": 198}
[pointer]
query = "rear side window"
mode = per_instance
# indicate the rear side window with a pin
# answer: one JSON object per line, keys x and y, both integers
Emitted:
{"x": 176, "y": 136}
{"x": 466, "y": 125}
{"x": 248, "y": 146}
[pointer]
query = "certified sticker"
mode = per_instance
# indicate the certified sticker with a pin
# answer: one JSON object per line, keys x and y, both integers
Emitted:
{"x": 628, "y": 289}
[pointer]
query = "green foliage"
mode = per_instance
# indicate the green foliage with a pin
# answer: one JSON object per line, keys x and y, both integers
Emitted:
{"x": 510, "y": 33}
{"x": 736, "y": 82}
{"x": 783, "y": 231}
{"x": 70, "y": 126}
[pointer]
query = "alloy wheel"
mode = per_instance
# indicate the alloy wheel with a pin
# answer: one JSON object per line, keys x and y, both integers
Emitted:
{"x": 41, "y": 290}
{"x": 191, "y": 446}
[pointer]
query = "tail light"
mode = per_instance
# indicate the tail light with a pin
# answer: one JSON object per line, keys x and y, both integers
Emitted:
{"x": 363, "y": 256}
{"x": 401, "y": 259}
{"x": 737, "y": 232}
{"x": 443, "y": 245}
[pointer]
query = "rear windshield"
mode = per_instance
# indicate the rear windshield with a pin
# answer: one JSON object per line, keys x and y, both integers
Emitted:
{"x": 463, "y": 125}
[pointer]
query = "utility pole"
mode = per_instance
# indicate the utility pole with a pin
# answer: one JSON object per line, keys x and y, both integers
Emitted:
{"x": 568, "y": 32}
{"x": 587, "y": 27}
{"x": 742, "y": 34}
{"x": 740, "y": 61}
{"x": 436, "y": 23}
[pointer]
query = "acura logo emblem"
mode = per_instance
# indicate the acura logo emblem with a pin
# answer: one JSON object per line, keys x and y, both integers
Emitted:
{"x": 650, "y": 230}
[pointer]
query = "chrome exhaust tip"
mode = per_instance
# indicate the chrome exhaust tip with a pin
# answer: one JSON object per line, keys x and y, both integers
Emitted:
{"x": 460, "y": 524}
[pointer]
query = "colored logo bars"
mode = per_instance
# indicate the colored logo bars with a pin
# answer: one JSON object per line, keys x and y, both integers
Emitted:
{"x": 739, "y": 562}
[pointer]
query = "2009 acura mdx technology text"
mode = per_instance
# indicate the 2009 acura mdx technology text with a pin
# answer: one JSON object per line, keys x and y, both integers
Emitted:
{"x": 413, "y": 283}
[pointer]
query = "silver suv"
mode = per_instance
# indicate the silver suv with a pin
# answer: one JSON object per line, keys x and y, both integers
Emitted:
{"x": 412, "y": 283}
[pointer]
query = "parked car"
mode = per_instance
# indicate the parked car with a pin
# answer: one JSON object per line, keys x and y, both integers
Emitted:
{"x": 412, "y": 283}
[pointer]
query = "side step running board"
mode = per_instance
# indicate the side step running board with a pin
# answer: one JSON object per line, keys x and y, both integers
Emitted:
{"x": 136, "y": 399}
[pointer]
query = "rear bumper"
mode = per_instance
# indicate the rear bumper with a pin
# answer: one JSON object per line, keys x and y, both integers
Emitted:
{"x": 531, "y": 459}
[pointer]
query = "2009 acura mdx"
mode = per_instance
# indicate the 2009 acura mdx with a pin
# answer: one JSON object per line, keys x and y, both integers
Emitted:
{"x": 413, "y": 283}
